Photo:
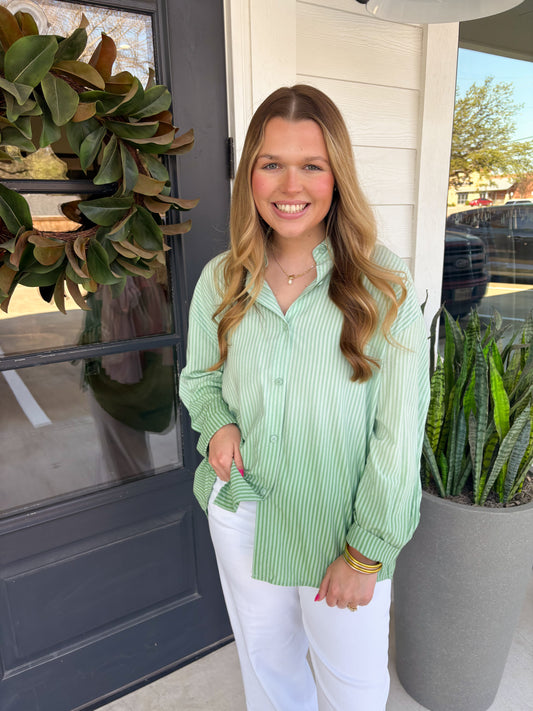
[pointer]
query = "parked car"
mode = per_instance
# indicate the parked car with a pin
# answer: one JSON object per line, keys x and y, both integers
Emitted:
{"x": 465, "y": 275}
{"x": 480, "y": 201}
{"x": 520, "y": 201}
{"x": 507, "y": 233}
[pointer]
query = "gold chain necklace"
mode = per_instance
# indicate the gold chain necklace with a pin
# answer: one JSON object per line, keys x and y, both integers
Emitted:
{"x": 292, "y": 277}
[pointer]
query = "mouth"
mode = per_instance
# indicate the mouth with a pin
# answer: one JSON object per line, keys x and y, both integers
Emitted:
{"x": 292, "y": 208}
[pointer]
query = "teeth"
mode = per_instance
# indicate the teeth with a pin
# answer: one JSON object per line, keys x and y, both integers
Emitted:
{"x": 291, "y": 209}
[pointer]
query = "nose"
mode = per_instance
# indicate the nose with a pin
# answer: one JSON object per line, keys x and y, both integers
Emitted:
{"x": 291, "y": 181}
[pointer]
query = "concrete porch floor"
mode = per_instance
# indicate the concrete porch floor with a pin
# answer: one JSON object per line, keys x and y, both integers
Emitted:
{"x": 213, "y": 683}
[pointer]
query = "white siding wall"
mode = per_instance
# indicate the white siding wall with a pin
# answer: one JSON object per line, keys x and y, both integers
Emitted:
{"x": 395, "y": 85}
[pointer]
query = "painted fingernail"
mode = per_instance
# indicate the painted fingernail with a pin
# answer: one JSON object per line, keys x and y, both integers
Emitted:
{"x": 241, "y": 471}
{"x": 317, "y": 596}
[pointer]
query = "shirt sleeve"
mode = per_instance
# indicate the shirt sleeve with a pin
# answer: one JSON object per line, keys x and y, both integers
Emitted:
{"x": 387, "y": 502}
{"x": 201, "y": 389}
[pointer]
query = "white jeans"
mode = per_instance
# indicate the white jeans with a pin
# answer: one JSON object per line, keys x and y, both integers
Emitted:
{"x": 275, "y": 626}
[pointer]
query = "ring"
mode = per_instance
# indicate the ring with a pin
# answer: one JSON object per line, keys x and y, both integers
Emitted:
{"x": 352, "y": 608}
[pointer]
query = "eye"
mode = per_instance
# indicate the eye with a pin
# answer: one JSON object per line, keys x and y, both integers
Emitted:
{"x": 312, "y": 166}
{"x": 269, "y": 166}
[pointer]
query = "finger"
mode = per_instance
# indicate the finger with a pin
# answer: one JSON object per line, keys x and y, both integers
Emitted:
{"x": 238, "y": 460}
{"x": 323, "y": 589}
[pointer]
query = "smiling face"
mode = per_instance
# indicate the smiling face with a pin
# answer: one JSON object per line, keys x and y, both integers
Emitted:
{"x": 292, "y": 181}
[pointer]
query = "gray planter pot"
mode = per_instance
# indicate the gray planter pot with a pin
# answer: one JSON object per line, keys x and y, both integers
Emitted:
{"x": 459, "y": 587}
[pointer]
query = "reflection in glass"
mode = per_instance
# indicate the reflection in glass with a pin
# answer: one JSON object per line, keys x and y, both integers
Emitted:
{"x": 34, "y": 324}
{"x": 132, "y": 33}
{"x": 73, "y": 427}
{"x": 488, "y": 260}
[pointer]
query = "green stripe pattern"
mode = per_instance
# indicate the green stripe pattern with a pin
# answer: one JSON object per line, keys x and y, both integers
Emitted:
{"x": 327, "y": 459}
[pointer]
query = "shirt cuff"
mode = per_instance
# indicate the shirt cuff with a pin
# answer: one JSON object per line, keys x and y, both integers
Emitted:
{"x": 216, "y": 417}
{"x": 371, "y": 546}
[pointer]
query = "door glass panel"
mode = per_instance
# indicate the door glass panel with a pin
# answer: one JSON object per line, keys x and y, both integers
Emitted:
{"x": 489, "y": 229}
{"x": 78, "y": 427}
{"x": 132, "y": 34}
{"x": 32, "y": 324}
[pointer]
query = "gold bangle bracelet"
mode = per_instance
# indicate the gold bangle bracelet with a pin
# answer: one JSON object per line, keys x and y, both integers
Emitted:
{"x": 359, "y": 566}
{"x": 355, "y": 566}
{"x": 362, "y": 566}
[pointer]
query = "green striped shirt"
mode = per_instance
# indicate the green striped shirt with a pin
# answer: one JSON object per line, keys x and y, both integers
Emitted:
{"x": 327, "y": 459}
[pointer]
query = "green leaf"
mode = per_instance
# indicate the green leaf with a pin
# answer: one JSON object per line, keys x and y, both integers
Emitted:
{"x": 105, "y": 101}
{"x": 121, "y": 230}
{"x": 156, "y": 99}
{"x": 130, "y": 172}
{"x": 132, "y": 101}
{"x": 62, "y": 100}
{"x": 11, "y": 136}
{"x": 111, "y": 167}
{"x": 132, "y": 131}
{"x": 98, "y": 264}
{"x": 478, "y": 425}
{"x": 506, "y": 447}
{"x": 23, "y": 124}
{"x": 83, "y": 74}
{"x": 433, "y": 466}
{"x": 21, "y": 92}
{"x": 78, "y": 132}
{"x": 515, "y": 459}
{"x": 500, "y": 400}
{"x": 146, "y": 231}
{"x": 90, "y": 147}
{"x": 50, "y": 132}
{"x": 136, "y": 269}
{"x": 458, "y": 454}
{"x": 106, "y": 211}
{"x": 14, "y": 210}
{"x": 436, "y": 411}
{"x": 155, "y": 167}
{"x": 35, "y": 278}
{"x": 70, "y": 48}
{"x": 29, "y": 59}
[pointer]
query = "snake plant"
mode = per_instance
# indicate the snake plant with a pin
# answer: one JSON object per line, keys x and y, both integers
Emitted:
{"x": 479, "y": 429}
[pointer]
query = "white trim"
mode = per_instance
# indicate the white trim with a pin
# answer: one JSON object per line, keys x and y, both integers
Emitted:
{"x": 260, "y": 56}
{"x": 238, "y": 69}
{"x": 436, "y": 123}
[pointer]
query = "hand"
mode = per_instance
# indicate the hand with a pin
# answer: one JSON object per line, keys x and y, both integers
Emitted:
{"x": 224, "y": 450}
{"x": 342, "y": 586}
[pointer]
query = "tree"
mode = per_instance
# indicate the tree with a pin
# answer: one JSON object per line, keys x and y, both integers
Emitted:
{"x": 483, "y": 128}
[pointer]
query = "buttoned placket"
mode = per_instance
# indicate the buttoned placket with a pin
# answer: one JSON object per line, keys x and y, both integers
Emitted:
{"x": 276, "y": 382}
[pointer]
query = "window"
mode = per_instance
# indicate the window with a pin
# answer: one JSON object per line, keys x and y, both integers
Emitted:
{"x": 94, "y": 403}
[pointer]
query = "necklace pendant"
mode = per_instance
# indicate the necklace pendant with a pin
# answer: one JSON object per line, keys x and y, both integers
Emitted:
{"x": 291, "y": 278}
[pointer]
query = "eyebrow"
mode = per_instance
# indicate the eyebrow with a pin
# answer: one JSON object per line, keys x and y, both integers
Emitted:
{"x": 308, "y": 159}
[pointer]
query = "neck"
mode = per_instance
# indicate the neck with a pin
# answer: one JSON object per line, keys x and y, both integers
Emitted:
{"x": 295, "y": 249}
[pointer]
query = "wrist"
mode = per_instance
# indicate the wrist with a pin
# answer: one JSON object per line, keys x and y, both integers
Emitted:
{"x": 359, "y": 556}
{"x": 366, "y": 568}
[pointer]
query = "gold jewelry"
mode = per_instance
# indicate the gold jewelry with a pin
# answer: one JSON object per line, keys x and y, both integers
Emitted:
{"x": 292, "y": 277}
{"x": 352, "y": 608}
{"x": 358, "y": 566}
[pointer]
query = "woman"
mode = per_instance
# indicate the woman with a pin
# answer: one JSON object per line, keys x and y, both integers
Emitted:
{"x": 307, "y": 378}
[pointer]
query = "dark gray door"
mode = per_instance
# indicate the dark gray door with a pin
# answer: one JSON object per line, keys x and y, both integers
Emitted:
{"x": 107, "y": 577}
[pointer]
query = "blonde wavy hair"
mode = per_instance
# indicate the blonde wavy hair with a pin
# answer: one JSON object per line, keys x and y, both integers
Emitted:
{"x": 350, "y": 228}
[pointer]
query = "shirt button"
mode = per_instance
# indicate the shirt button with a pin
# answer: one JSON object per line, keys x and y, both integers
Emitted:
{"x": 274, "y": 439}
{"x": 279, "y": 381}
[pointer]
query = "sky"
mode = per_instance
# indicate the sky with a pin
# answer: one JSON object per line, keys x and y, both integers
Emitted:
{"x": 475, "y": 66}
